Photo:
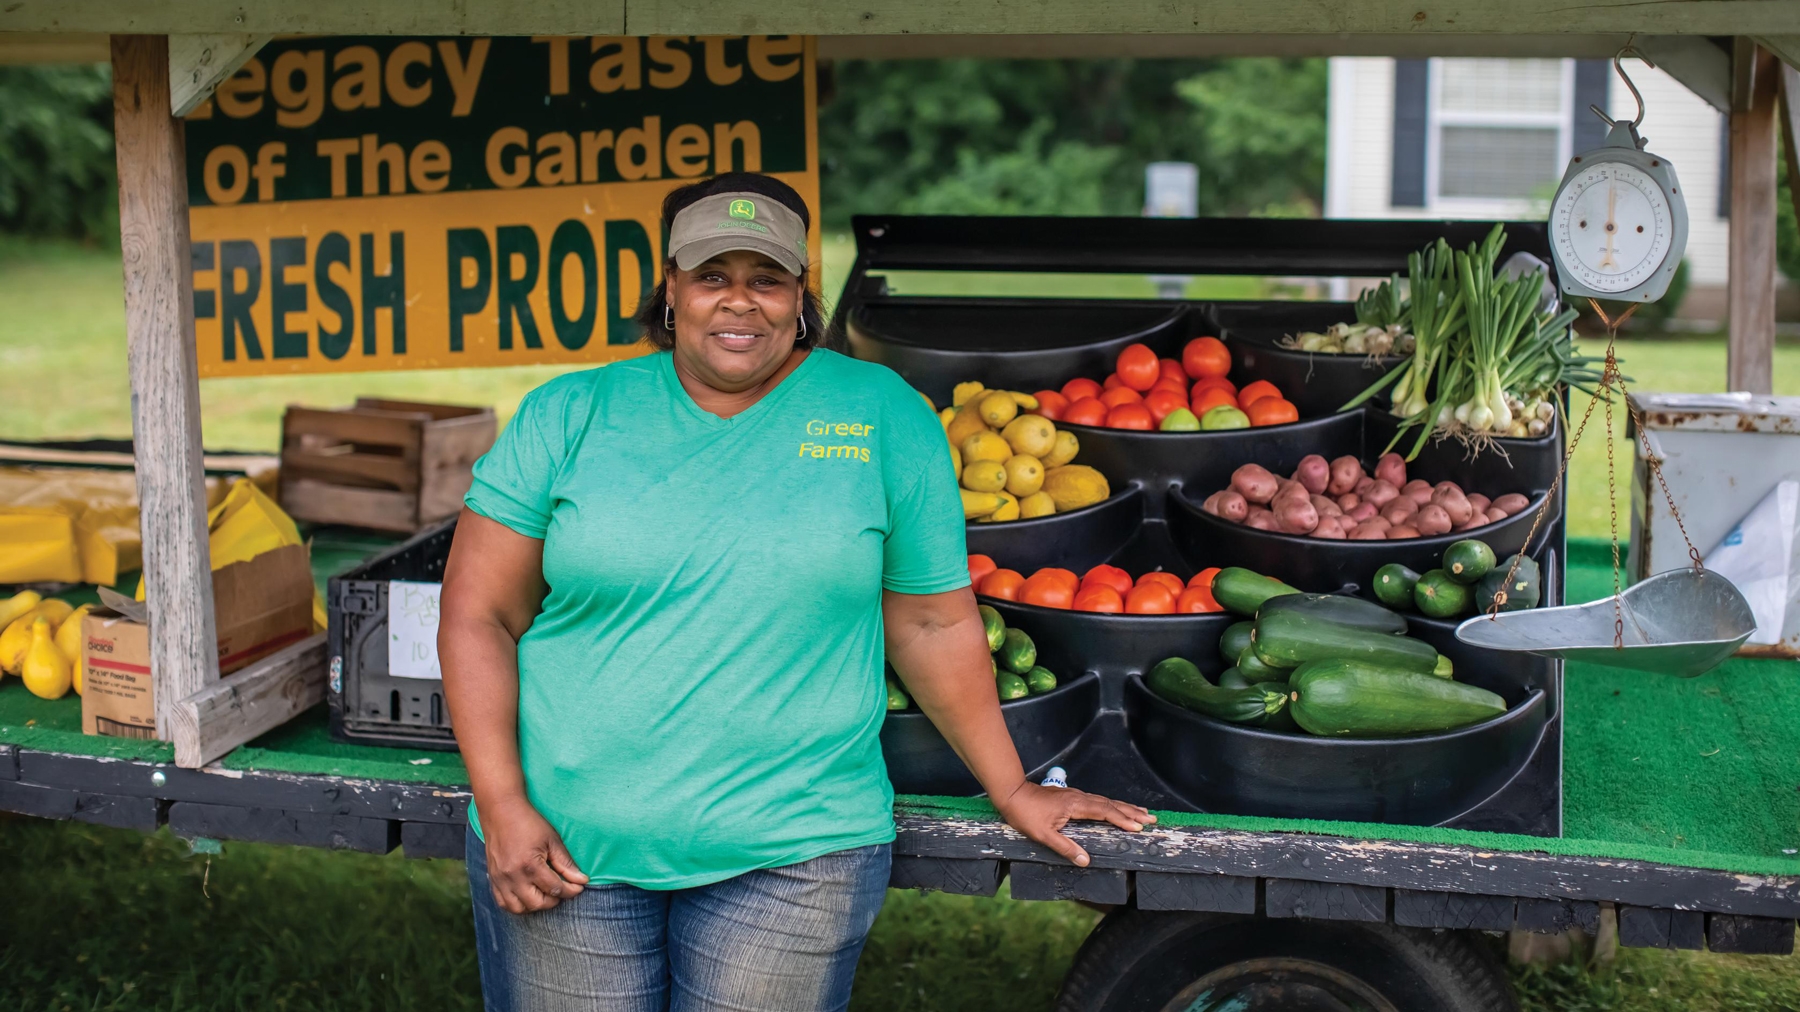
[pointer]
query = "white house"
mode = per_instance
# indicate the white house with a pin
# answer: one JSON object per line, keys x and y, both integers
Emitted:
{"x": 1489, "y": 138}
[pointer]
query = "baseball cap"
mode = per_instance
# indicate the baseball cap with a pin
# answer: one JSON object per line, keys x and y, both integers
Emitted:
{"x": 728, "y": 221}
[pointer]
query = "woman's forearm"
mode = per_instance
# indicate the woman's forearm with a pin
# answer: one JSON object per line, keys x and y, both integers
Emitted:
{"x": 481, "y": 686}
{"x": 947, "y": 669}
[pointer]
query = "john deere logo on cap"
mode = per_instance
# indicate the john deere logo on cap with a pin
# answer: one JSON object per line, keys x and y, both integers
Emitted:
{"x": 743, "y": 209}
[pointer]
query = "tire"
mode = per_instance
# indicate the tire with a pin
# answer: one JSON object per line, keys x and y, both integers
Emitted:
{"x": 1154, "y": 961}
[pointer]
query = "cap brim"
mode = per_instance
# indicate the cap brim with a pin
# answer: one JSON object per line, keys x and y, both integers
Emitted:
{"x": 705, "y": 248}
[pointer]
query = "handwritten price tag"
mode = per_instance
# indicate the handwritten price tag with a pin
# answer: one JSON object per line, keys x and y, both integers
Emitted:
{"x": 412, "y": 629}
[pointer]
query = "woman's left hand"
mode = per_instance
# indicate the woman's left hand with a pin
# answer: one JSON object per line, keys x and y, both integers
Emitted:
{"x": 1041, "y": 812}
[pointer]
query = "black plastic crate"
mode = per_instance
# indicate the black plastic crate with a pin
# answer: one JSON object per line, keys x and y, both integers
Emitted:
{"x": 368, "y": 705}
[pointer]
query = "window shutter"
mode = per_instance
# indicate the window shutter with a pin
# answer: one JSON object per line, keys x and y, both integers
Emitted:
{"x": 1591, "y": 80}
{"x": 1411, "y": 91}
{"x": 1724, "y": 208}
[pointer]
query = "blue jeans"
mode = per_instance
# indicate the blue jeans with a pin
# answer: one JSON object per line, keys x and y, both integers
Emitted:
{"x": 775, "y": 940}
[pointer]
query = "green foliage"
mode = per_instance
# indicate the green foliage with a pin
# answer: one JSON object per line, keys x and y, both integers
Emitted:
{"x": 1787, "y": 230}
{"x": 57, "y": 176}
{"x": 1069, "y": 136}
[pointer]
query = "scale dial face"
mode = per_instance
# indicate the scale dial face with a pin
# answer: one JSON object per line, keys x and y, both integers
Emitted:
{"x": 1612, "y": 226}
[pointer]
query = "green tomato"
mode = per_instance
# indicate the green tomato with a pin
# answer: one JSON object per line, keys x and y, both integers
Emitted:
{"x": 1180, "y": 420}
{"x": 1224, "y": 417}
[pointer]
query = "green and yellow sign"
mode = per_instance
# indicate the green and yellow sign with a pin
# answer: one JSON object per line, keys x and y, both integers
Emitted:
{"x": 393, "y": 203}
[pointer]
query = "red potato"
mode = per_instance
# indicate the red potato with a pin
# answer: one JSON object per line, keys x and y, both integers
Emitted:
{"x": 1495, "y": 515}
{"x": 1326, "y": 507}
{"x": 1349, "y": 501}
{"x": 1291, "y": 489}
{"x": 1314, "y": 472}
{"x": 1363, "y": 485}
{"x": 1369, "y": 532}
{"x": 1329, "y": 529}
{"x": 1362, "y": 512}
{"x": 1454, "y": 503}
{"x": 1211, "y": 505}
{"x": 1382, "y": 492}
{"x": 1432, "y": 520}
{"x": 1399, "y": 511}
{"x": 1379, "y": 522}
{"x": 1418, "y": 490}
{"x": 1296, "y": 517}
{"x": 1255, "y": 483}
{"x": 1391, "y": 468}
{"x": 1232, "y": 506}
{"x": 1510, "y": 503}
{"x": 1262, "y": 520}
{"x": 1401, "y": 532}
{"x": 1479, "y": 502}
{"x": 1346, "y": 471}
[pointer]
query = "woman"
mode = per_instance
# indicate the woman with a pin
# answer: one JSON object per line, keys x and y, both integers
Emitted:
{"x": 664, "y": 618}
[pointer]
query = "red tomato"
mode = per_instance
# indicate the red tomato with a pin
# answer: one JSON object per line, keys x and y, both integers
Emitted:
{"x": 1204, "y": 578}
{"x": 1196, "y": 601}
{"x": 1050, "y": 404}
{"x": 1169, "y": 369}
{"x": 1165, "y": 383}
{"x": 1256, "y": 391}
{"x": 1046, "y": 590}
{"x": 979, "y": 567}
{"x": 1001, "y": 583}
{"x": 1161, "y": 400}
{"x": 1272, "y": 411}
{"x": 1080, "y": 387}
{"x": 1104, "y": 575}
{"x": 1206, "y": 356}
{"x": 1169, "y": 580}
{"x": 1215, "y": 381}
{"x": 1099, "y": 597}
{"x": 1112, "y": 382}
{"x": 1063, "y": 576}
{"x": 1131, "y": 416}
{"x": 1150, "y": 599}
{"x": 1087, "y": 411}
{"x": 1120, "y": 395}
{"x": 1208, "y": 398}
{"x": 1138, "y": 368}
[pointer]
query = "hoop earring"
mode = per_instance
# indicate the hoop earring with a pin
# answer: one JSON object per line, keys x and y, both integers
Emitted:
{"x": 802, "y": 335}
{"x": 668, "y": 318}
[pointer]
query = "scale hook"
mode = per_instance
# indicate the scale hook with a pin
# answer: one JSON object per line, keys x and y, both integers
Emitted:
{"x": 1628, "y": 50}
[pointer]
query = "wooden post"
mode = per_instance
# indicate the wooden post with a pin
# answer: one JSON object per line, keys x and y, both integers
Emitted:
{"x": 165, "y": 376}
{"x": 1750, "y": 347}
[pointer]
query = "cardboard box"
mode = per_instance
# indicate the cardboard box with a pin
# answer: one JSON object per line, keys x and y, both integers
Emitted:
{"x": 260, "y": 606}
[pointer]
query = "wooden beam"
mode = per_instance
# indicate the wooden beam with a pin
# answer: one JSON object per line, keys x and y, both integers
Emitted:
{"x": 1174, "y": 45}
{"x": 1750, "y": 344}
{"x": 22, "y": 48}
{"x": 1785, "y": 47}
{"x": 1700, "y": 64}
{"x": 197, "y": 63}
{"x": 165, "y": 375}
{"x": 250, "y": 702}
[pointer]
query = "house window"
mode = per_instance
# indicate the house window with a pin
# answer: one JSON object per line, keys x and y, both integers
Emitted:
{"x": 1498, "y": 133}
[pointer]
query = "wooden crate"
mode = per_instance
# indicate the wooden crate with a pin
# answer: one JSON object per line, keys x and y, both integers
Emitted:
{"x": 385, "y": 465}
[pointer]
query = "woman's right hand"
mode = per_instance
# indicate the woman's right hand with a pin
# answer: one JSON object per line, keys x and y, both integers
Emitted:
{"x": 529, "y": 869}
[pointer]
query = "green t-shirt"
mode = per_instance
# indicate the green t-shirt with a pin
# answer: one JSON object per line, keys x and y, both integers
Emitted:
{"x": 702, "y": 694}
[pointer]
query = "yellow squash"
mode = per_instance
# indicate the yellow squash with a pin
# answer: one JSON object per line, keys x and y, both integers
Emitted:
{"x": 68, "y": 640}
{"x": 17, "y": 637}
{"x": 45, "y": 669}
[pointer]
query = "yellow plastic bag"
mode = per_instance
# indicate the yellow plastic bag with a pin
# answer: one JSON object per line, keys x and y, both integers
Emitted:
{"x": 244, "y": 525}
{"x": 37, "y": 545}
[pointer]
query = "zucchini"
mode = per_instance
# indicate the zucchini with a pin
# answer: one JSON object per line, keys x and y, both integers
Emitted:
{"x": 1017, "y": 653}
{"x": 1349, "y": 612}
{"x": 1394, "y": 585}
{"x": 1240, "y": 590}
{"x": 1524, "y": 591}
{"x": 1468, "y": 560}
{"x": 1351, "y": 699}
{"x": 1236, "y": 638}
{"x": 1286, "y": 639}
{"x": 1282, "y": 719}
{"x": 1232, "y": 678}
{"x": 1180, "y": 682}
{"x": 1439, "y": 596}
{"x": 993, "y": 625}
{"x": 1255, "y": 669}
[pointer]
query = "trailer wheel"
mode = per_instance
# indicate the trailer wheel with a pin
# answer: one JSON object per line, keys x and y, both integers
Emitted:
{"x": 1151, "y": 961}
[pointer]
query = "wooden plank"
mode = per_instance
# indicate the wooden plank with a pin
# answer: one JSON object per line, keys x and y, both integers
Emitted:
{"x": 360, "y": 507}
{"x": 1225, "y": 894}
{"x": 371, "y": 470}
{"x": 141, "y": 814}
{"x": 1544, "y": 917}
{"x": 1785, "y": 47}
{"x": 1031, "y": 881}
{"x": 433, "y": 839}
{"x": 1750, "y": 343}
{"x": 165, "y": 375}
{"x": 438, "y": 412}
{"x": 1758, "y": 936}
{"x": 1652, "y": 928}
{"x": 371, "y": 427}
{"x": 189, "y": 819}
{"x": 946, "y": 875}
{"x": 197, "y": 63}
{"x": 1329, "y": 901}
{"x": 1415, "y": 909}
{"x": 1695, "y": 61}
{"x": 1172, "y": 45}
{"x": 447, "y": 462}
{"x": 9, "y": 762}
{"x": 18, "y": 49}
{"x": 250, "y": 702}
{"x": 241, "y": 463}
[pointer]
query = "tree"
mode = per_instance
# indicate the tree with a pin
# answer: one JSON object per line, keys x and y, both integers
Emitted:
{"x": 57, "y": 175}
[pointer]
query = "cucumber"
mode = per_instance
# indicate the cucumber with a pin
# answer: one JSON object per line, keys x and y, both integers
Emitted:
{"x": 1468, "y": 560}
{"x": 1181, "y": 683}
{"x": 1232, "y": 678}
{"x": 994, "y": 625}
{"x": 1242, "y": 591}
{"x": 897, "y": 698}
{"x": 1351, "y": 699}
{"x": 1255, "y": 669}
{"x": 1039, "y": 680}
{"x": 1349, "y": 612}
{"x": 1439, "y": 596}
{"x": 1524, "y": 591}
{"x": 1287, "y": 639}
{"x": 1236, "y": 638}
{"x": 1017, "y": 653}
{"x": 1394, "y": 585}
{"x": 1011, "y": 686}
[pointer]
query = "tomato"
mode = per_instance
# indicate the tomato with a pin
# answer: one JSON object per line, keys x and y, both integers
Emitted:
{"x": 1112, "y": 382}
{"x": 1206, "y": 356}
{"x": 1050, "y": 404}
{"x": 1046, "y": 590}
{"x": 1063, "y": 576}
{"x": 1150, "y": 599}
{"x": 1138, "y": 367}
{"x": 1001, "y": 583}
{"x": 1104, "y": 575}
{"x": 1080, "y": 387}
{"x": 1120, "y": 395}
{"x": 1086, "y": 411}
{"x": 1169, "y": 580}
{"x": 1215, "y": 381}
{"x": 1254, "y": 392}
{"x": 1099, "y": 597}
{"x": 1204, "y": 578}
{"x": 1161, "y": 400}
{"x": 1208, "y": 398}
{"x": 979, "y": 567}
{"x": 1170, "y": 369}
{"x": 1196, "y": 601}
{"x": 1131, "y": 416}
{"x": 1272, "y": 411}
{"x": 1165, "y": 383}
